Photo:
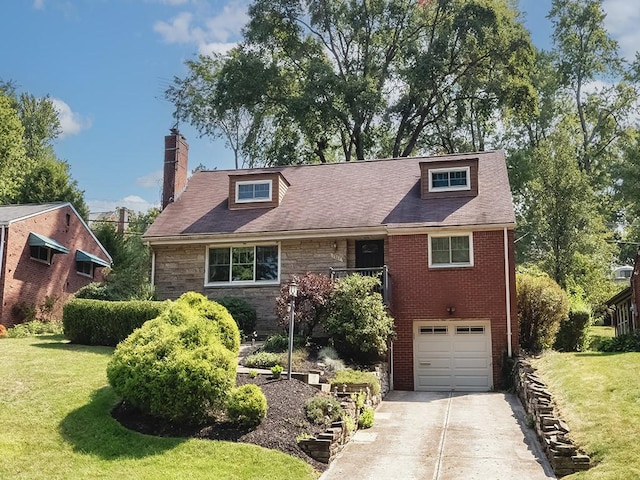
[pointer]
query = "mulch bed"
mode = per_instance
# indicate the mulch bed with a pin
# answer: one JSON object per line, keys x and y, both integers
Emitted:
{"x": 285, "y": 420}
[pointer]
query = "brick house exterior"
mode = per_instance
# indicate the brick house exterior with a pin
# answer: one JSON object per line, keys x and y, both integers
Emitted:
{"x": 441, "y": 228}
{"x": 624, "y": 306}
{"x": 46, "y": 252}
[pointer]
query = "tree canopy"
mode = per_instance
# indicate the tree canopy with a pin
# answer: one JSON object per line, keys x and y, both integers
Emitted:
{"x": 318, "y": 81}
{"x": 30, "y": 171}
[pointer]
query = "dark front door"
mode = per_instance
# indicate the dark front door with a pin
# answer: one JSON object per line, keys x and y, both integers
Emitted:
{"x": 369, "y": 253}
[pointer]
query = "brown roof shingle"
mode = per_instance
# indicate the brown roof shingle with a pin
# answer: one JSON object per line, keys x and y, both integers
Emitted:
{"x": 358, "y": 195}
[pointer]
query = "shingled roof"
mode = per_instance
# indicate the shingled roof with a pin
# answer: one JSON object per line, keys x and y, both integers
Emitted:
{"x": 351, "y": 196}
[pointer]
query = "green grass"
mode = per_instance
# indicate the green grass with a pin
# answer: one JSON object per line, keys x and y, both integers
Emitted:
{"x": 598, "y": 334}
{"x": 55, "y": 423}
{"x": 598, "y": 394}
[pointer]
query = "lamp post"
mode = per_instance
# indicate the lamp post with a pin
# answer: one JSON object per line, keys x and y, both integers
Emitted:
{"x": 293, "y": 293}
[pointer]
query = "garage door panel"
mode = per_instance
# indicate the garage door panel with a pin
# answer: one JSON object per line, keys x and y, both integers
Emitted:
{"x": 434, "y": 382}
{"x": 457, "y": 357}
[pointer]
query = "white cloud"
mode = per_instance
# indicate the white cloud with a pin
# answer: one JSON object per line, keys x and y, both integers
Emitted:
{"x": 208, "y": 49}
{"x": 153, "y": 179}
{"x": 622, "y": 21}
{"x": 71, "y": 122}
{"x": 132, "y": 202}
{"x": 217, "y": 33}
{"x": 38, "y": 4}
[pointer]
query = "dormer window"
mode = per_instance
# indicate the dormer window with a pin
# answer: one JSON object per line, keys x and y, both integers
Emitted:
{"x": 449, "y": 179}
{"x": 256, "y": 191}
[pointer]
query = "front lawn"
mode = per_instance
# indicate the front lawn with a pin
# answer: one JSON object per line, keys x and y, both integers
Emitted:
{"x": 599, "y": 396}
{"x": 54, "y": 412}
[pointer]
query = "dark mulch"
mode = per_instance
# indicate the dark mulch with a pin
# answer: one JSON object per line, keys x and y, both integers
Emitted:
{"x": 285, "y": 420}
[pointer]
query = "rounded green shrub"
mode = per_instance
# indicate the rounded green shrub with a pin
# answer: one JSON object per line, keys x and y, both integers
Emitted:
{"x": 279, "y": 342}
{"x": 174, "y": 366}
{"x": 229, "y": 332}
{"x": 243, "y": 313}
{"x": 247, "y": 406}
{"x": 262, "y": 360}
{"x": 365, "y": 420}
{"x": 322, "y": 410}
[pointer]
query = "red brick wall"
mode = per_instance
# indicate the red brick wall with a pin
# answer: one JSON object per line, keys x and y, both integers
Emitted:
{"x": 421, "y": 293}
{"x": 30, "y": 281}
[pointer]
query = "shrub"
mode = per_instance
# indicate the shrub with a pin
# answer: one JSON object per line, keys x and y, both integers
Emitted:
{"x": 35, "y": 327}
{"x": 312, "y": 299}
{"x": 229, "y": 332}
{"x": 253, "y": 374}
{"x": 542, "y": 304}
{"x": 262, "y": 360}
{"x": 243, "y": 313}
{"x": 98, "y": 322}
{"x": 247, "y": 406}
{"x": 276, "y": 371}
{"x": 24, "y": 312}
{"x": 3, "y": 331}
{"x": 279, "y": 343}
{"x": 629, "y": 342}
{"x": 356, "y": 377}
{"x": 357, "y": 319}
{"x": 365, "y": 420}
{"x": 573, "y": 334}
{"x": 174, "y": 366}
{"x": 330, "y": 358}
{"x": 322, "y": 410}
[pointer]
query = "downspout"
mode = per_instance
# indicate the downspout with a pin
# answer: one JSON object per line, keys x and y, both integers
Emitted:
{"x": 2, "y": 251}
{"x": 153, "y": 268}
{"x": 507, "y": 289}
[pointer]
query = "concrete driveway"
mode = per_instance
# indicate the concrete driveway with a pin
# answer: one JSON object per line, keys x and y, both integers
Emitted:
{"x": 444, "y": 436}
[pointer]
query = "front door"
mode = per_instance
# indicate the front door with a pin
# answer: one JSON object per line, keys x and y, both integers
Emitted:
{"x": 369, "y": 253}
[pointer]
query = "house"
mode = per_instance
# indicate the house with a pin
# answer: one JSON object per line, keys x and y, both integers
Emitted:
{"x": 623, "y": 307}
{"x": 438, "y": 229}
{"x": 47, "y": 252}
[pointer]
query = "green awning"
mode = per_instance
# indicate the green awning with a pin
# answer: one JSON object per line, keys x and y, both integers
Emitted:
{"x": 37, "y": 240}
{"x": 82, "y": 256}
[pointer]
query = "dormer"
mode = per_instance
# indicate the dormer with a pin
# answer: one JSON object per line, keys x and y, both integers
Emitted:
{"x": 449, "y": 178}
{"x": 256, "y": 190}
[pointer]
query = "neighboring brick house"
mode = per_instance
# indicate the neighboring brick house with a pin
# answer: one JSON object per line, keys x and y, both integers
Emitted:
{"x": 438, "y": 229}
{"x": 47, "y": 253}
{"x": 623, "y": 307}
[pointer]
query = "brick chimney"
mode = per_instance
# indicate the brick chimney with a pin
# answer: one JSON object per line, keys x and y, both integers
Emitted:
{"x": 176, "y": 153}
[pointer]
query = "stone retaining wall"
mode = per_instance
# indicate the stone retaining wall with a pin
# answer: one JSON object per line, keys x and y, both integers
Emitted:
{"x": 552, "y": 431}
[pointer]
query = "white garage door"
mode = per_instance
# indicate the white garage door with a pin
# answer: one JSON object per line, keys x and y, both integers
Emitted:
{"x": 452, "y": 356}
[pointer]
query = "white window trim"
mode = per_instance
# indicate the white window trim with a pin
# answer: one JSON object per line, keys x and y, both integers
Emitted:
{"x": 449, "y": 188}
{"x": 451, "y": 265}
{"x": 254, "y": 182}
{"x": 239, "y": 283}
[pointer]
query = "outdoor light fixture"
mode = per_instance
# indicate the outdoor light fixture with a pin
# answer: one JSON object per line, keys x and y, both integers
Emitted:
{"x": 293, "y": 293}
{"x": 451, "y": 309}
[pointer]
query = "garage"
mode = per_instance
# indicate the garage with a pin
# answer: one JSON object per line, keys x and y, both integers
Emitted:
{"x": 452, "y": 355}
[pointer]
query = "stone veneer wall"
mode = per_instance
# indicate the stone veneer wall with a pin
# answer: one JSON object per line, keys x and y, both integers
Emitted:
{"x": 181, "y": 268}
{"x": 551, "y": 430}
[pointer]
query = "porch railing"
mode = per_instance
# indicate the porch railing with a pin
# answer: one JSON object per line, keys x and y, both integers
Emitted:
{"x": 381, "y": 272}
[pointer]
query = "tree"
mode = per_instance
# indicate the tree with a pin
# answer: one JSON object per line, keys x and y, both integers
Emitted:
{"x": 565, "y": 233}
{"x": 585, "y": 55}
{"x": 36, "y": 174}
{"x": 12, "y": 152}
{"x": 318, "y": 80}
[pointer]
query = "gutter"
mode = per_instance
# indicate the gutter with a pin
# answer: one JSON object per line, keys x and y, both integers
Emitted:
{"x": 153, "y": 268}
{"x": 507, "y": 289}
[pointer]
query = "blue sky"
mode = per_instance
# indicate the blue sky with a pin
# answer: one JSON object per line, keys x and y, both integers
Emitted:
{"x": 106, "y": 64}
